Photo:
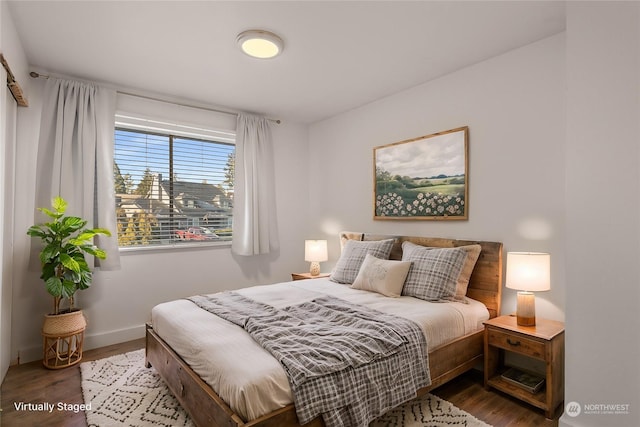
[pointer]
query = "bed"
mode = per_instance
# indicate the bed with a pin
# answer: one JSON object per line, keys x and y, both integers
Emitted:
{"x": 446, "y": 360}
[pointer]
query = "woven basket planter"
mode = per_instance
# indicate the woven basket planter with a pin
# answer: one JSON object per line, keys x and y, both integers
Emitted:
{"x": 62, "y": 337}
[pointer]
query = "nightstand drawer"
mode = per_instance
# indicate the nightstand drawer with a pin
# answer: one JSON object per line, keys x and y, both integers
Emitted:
{"x": 517, "y": 344}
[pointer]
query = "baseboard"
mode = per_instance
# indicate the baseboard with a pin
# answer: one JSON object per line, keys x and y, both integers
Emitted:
{"x": 92, "y": 341}
{"x": 113, "y": 337}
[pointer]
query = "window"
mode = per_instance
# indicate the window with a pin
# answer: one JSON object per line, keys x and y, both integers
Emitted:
{"x": 173, "y": 184}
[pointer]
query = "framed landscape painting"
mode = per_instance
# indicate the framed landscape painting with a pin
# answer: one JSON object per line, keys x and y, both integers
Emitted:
{"x": 423, "y": 178}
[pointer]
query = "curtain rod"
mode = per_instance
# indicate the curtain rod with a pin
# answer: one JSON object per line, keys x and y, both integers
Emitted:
{"x": 277, "y": 121}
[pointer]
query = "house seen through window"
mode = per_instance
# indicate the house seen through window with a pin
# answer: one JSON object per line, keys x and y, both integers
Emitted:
{"x": 172, "y": 189}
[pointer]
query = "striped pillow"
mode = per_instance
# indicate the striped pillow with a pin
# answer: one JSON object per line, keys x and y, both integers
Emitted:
{"x": 434, "y": 272}
{"x": 353, "y": 254}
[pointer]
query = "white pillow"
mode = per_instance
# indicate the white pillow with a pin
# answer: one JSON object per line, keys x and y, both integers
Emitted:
{"x": 383, "y": 276}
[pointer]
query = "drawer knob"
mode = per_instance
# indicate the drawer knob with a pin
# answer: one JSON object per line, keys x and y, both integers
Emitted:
{"x": 513, "y": 343}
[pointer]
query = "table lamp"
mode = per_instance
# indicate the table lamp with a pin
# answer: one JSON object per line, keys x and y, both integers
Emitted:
{"x": 528, "y": 272}
{"x": 315, "y": 251}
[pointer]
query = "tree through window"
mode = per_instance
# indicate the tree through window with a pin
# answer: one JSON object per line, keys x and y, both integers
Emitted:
{"x": 171, "y": 189}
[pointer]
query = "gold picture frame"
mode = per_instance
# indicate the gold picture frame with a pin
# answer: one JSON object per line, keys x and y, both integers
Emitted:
{"x": 424, "y": 178}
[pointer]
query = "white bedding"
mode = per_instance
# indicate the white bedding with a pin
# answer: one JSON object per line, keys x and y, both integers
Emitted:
{"x": 247, "y": 377}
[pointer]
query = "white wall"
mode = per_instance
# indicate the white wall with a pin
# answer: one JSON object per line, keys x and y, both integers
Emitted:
{"x": 119, "y": 302}
{"x": 5, "y": 295}
{"x": 514, "y": 107}
{"x": 603, "y": 212}
{"x": 12, "y": 50}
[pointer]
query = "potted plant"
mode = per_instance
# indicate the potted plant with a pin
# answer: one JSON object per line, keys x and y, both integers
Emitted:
{"x": 65, "y": 271}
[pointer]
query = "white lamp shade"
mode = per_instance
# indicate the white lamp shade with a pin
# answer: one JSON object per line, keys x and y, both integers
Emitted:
{"x": 315, "y": 250}
{"x": 528, "y": 271}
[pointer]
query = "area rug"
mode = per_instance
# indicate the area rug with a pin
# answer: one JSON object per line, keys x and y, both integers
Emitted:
{"x": 122, "y": 392}
{"x": 427, "y": 411}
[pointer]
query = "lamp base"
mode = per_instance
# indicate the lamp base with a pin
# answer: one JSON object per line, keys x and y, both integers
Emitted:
{"x": 526, "y": 311}
{"x": 315, "y": 268}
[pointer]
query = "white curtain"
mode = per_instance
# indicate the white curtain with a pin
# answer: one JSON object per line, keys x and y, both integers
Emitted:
{"x": 254, "y": 209}
{"x": 75, "y": 157}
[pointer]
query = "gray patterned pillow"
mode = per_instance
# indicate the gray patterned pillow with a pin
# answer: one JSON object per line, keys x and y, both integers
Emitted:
{"x": 353, "y": 254}
{"x": 434, "y": 272}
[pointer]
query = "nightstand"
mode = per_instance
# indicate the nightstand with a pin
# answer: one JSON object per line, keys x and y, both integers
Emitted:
{"x": 303, "y": 276}
{"x": 544, "y": 342}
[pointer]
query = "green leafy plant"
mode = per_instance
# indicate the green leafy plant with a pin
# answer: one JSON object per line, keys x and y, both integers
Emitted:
{"x": 65, "y": 243}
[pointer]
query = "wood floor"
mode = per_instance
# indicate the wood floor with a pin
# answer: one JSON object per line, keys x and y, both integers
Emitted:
{"x": 467, "y": 392}
{"x": 32, "y": 383}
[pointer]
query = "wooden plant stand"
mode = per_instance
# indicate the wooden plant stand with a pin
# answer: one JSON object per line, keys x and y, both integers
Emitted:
{"x": 61, "y": 352}
{"x": 62, "y": 339}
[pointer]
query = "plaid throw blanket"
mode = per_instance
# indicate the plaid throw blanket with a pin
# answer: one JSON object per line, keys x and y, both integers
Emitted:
{"x": 345, "y": 362}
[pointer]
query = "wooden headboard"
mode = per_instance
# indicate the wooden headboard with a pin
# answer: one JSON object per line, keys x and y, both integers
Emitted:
{"x": 485, "y": 284}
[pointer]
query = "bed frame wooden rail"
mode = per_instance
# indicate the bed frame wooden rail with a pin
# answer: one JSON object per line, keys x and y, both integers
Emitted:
{"x": 207, "y": 409}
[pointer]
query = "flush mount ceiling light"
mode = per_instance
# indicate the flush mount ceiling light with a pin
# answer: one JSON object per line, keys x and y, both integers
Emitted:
{"x": 260, "y": 44}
